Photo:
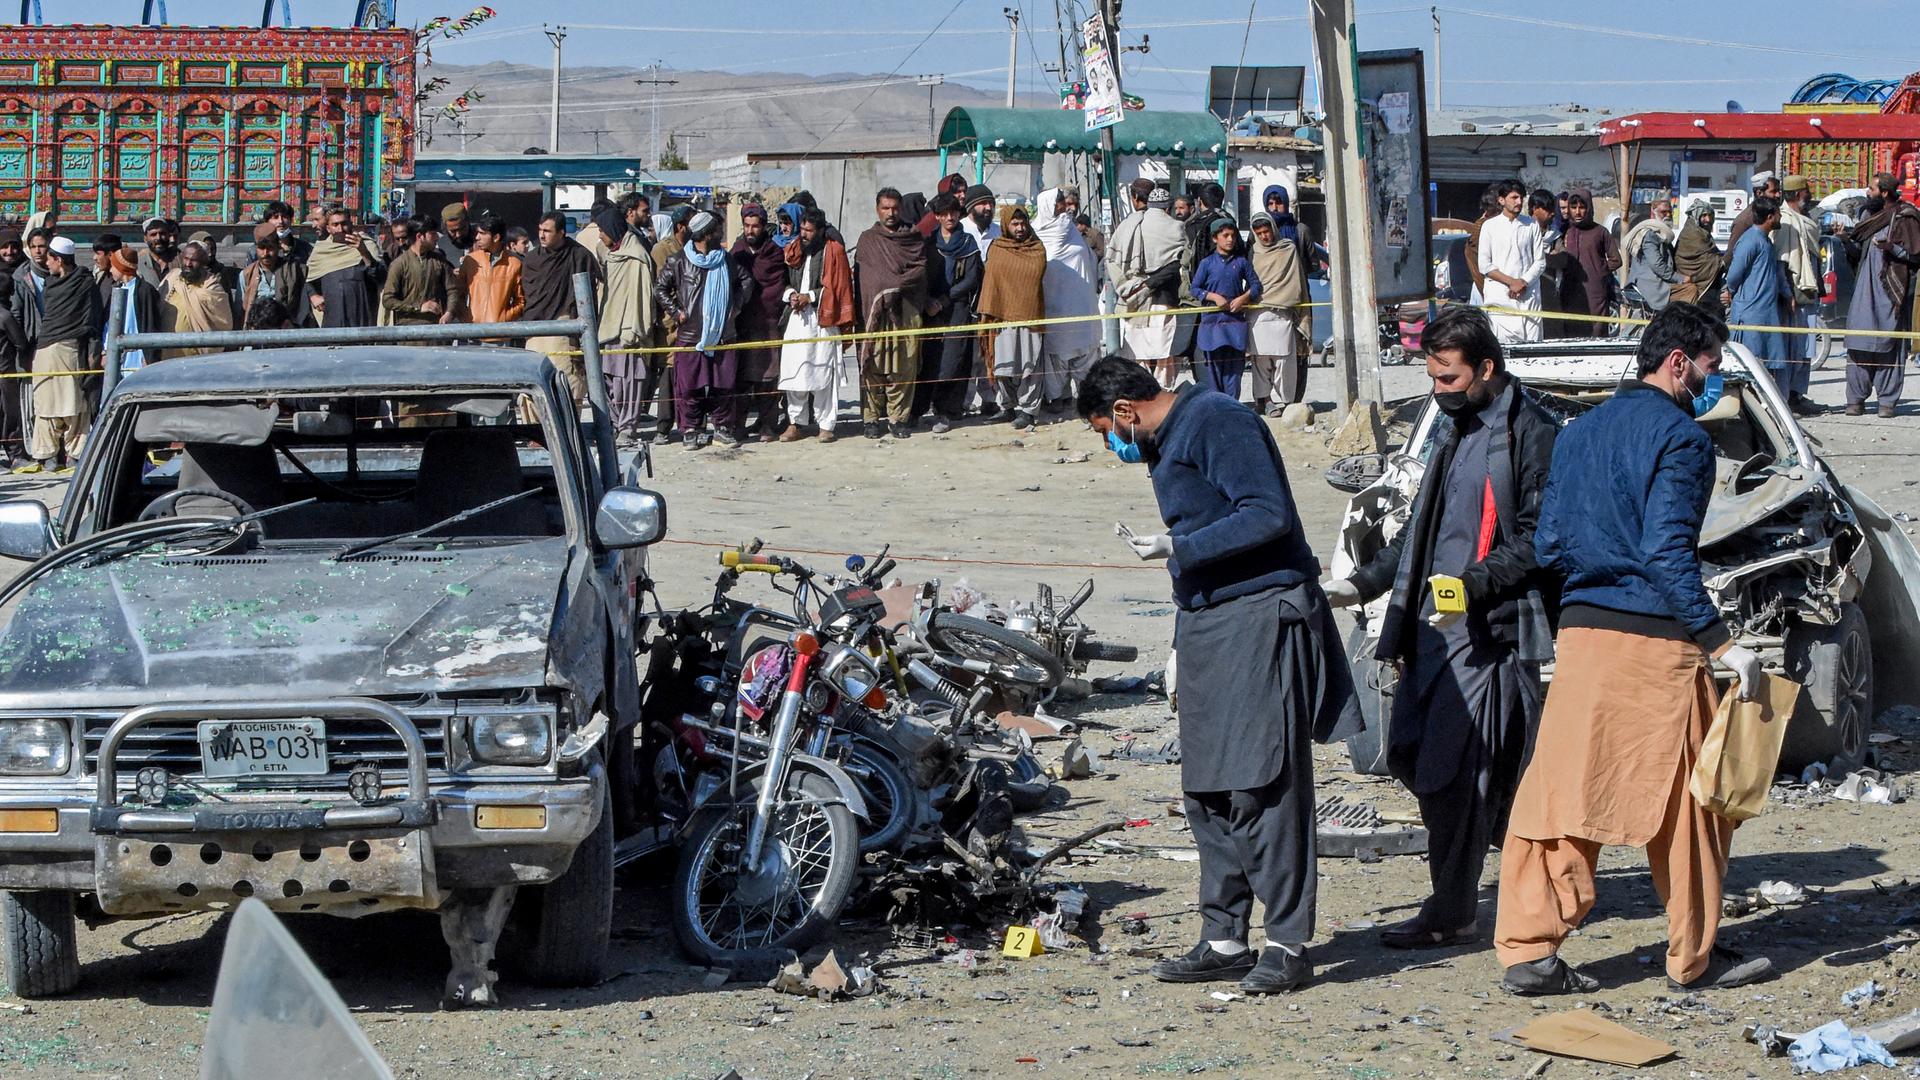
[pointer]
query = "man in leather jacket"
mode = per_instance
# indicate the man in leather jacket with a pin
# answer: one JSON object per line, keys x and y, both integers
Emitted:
{"x": 1468, "y": 697}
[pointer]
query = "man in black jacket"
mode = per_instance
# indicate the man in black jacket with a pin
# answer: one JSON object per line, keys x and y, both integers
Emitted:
{"x": 946, "y": 362}
{"x": 1468, "y": 699}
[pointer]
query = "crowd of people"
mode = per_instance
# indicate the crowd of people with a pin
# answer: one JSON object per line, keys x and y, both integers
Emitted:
{"x": 1537, "y": 258}
{"x": 707, "y": 338}
{"x": 1577, "y": 546}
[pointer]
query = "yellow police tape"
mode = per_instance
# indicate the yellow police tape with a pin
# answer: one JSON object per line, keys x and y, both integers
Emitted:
{"x": 937, "y": 330}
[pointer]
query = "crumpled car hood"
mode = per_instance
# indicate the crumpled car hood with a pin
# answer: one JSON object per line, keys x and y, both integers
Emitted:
{"x": 144, "y": 630}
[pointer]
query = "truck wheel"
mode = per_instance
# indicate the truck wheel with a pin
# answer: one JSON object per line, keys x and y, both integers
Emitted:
{"x": 1367, "y": 751}
{"x": 42, "y": 957}
{"x": 1834, "y": 667}
{"x": 567, "y": 931}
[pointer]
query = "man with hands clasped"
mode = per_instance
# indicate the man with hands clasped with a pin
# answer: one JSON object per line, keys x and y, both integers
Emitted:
{"x": 1262, "y": 668}
{"x": 1468, "y": 696}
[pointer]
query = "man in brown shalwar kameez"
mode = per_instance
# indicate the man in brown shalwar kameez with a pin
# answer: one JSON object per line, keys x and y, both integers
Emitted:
{"x": 1633, "y": 687}
{"x": 891, "y": 280}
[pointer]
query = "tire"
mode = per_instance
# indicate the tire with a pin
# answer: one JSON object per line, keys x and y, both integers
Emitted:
{"x": 1825, "y": 343}
{"x": 42, "y": 956}
{"x": 703, "y": 872}
{"x": 1367, "y": 751}
{"x": 1015, "y": 657}
{"x": 1834, "y": 667}
{"x": 1088, "y": 649}
{"x": 571, "y": 922}
{"x": 891, "y": 798}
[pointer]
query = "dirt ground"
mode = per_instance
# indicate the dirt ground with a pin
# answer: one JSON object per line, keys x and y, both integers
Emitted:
{"x": 1052, "y": 497}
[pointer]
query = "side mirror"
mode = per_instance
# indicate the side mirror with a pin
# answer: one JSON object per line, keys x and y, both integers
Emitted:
{"x": 628, "y": 517}
{"x": 1356, "y": 473}
{"x": 26, "y": 532}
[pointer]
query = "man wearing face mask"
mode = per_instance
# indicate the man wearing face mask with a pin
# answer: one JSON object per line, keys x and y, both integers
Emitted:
{"x": 1633, "y": 687}
{"x": 1262, "y": 668}
{"x": 1468, "y": 697}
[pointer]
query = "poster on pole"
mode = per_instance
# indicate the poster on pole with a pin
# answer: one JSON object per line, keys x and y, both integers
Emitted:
{"x": 1393, "y": 144}
{"x": 1104, "y": 106}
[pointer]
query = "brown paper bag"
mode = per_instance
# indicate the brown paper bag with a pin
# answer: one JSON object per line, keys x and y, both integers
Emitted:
{"x": 1737, "y": 761}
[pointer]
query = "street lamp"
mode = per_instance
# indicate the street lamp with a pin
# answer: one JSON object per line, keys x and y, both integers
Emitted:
{"x": 931, "y": 81}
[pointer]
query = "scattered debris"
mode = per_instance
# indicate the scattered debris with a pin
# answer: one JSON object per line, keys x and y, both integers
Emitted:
{"x": 1356, "y": 830}
{"x": 1120, "y": 684}
{"x": 1038, "y": 726}
{"x": 1076, "y": 763}
{"x": 1167, "y": 753}
{"x": 1832, "y": 1047}
{"x": 1581, "y": 1033}
{"x": 1781, "y": 893}
{"x": 1898, "y": 1035}
{"x": 1771, "y": 1040}
{"x": 1860, "y": 995}
{"x": 1226, "y": 995}
{"x": 1866, "y": 786}
{"x": 830, "y": 980}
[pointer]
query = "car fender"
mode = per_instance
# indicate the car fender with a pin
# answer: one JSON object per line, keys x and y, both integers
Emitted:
{"x": 1891, "y": 603}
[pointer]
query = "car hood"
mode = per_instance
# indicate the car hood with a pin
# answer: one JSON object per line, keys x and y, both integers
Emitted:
{"x": 280, "y": 624}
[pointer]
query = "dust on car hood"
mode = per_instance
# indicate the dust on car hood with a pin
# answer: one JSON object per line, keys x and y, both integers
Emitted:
{"x": 279, "y": 624}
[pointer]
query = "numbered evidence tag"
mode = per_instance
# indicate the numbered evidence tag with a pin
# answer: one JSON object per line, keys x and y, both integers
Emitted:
{"x": 1449, "y": 594}
{"x": 1022, "y": 943}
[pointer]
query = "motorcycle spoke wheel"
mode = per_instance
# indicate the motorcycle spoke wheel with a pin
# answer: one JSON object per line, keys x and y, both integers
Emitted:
{"x": 799, "y": 848}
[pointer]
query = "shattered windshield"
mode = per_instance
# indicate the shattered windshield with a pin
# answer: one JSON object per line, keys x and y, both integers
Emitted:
{"x": 364, "y": 467}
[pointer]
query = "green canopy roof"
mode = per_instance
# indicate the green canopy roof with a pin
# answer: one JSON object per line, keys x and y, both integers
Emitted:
{"x": 1040, "y": 131}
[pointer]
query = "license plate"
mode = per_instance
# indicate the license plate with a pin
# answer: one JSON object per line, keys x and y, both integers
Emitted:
{"x": 244, "y": 748}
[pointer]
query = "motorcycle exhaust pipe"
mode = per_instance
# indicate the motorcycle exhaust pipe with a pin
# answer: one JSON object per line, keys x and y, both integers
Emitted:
{"x": 932, "y": 680}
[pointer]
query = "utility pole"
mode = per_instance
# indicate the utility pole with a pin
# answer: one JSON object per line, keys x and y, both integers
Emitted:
{"x": 1013, "y": 48}
{"x": 460, "y": 125}
{"x": 596, "y": 133}
{"x": 555, "y": 34}
{"x": 678, "y": 135}
{"x": 1356, "y": 305}
{"x": 931, "y": 81}
{"x": 1109, "y": 170}
{"x": 1435, "y": 12}
{"x": 654, "y": 80}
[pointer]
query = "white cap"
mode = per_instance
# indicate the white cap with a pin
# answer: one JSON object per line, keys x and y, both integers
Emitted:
{"x": 60, "y": 245}
{"x": 1760, "y": 178}
{"x": 701, "y": 222}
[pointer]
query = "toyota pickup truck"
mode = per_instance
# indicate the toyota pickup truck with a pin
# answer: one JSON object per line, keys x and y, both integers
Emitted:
{"x": 342, "y": 629}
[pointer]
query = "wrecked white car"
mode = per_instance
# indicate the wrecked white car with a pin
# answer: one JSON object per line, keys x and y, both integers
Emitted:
{"x": 344, "y": 630}
{"x": 1807, "y": 572}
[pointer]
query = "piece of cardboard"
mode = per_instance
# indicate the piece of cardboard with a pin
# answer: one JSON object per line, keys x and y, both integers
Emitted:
{"x": 1038, "y": 727}
{"x": 1582, "y": 1033}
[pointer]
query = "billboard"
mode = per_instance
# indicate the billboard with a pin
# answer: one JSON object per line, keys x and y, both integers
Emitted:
{"x": 1393, "y": 147}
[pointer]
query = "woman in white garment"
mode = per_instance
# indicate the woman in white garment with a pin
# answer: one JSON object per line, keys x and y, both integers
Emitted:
{"x": 1070, "y": 348}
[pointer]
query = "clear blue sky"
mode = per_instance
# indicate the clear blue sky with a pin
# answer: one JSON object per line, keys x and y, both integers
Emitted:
{"x": 1496, "y": 52}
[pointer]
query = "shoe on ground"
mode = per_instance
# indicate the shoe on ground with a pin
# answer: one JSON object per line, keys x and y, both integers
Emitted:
{"x": 792, "y": 434}
{"x": 989, "y": 411}
{"x": 1801, "y": 406}
{"x": 1856, "y": 408}
{"x": 1204, "y": 963}
{"x": 1886, "y": 411}
{"x": 1726, "y": 970}
{"x": 875, "y": 429}
{"x": 1546, "y": 976}
{"x": 29, "y": 469}
{"x": 941, "y": 427}
{"x": 1416, "y": 934}
{"x": 729, "y": 439}
{"x": 1022, "y": 421}
{"x": 900, "y": 431}
{"x": 827, "y": 436}
{"x": 1278, "y": 972}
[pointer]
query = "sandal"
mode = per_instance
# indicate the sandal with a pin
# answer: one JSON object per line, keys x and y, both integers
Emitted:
{"x": 1414, "y": 934}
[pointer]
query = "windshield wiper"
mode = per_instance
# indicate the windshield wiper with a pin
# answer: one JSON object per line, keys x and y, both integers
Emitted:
{"x": 474, "y": 511}
{"x": 108, "y": 554}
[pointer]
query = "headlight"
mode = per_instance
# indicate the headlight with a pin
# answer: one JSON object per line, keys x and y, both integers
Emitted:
{"x": 510, "y": 738}
{"x": 854, "y": 674}
{"x": 35, "y": 747}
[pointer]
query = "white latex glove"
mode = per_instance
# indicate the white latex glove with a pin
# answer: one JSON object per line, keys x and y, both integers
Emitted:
{"x": 1152, "y": 547}
{"x": 1342, "y": 593}
{"x": 1440, "y": 620}
{"x": 1745, "y": 664}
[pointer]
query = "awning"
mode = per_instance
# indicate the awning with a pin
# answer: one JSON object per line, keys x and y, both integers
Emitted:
{"x": 1032, "y": 132}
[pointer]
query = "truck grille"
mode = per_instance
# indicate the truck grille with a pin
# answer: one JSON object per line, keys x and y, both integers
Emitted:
{"x": 176, "y": 747}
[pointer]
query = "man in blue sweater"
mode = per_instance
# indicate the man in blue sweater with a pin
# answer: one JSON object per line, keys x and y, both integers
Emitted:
{"x": 1262, "y": 669}
{"x": 1633, "y": 687}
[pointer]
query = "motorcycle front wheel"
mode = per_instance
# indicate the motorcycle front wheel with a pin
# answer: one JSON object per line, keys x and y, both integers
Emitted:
{"x": 1013, "y": 656}
{"x": 723, "y": 909}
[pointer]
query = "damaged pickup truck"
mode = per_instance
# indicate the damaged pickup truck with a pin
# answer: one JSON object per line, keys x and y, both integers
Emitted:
{"x": 1808, "y": 573}
{"x": 343, "y": 629}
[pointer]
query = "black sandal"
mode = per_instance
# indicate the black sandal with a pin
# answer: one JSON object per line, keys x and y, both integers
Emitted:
{"x": 1414, "y": 934}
